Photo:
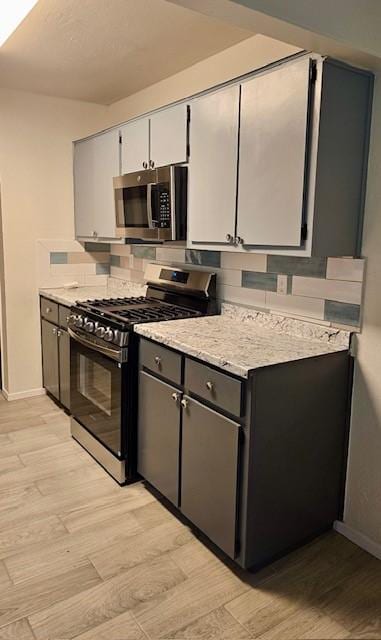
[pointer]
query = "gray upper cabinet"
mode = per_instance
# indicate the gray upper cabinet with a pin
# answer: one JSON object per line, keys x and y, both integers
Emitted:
{"x": 96, "y": 163}
{"x": 213, "y": 167}
{"x": 169, "y": 136}
{"x": 155, "y": 141}
{"x": 272, "y": 156}
{"x": 135, "y": 145}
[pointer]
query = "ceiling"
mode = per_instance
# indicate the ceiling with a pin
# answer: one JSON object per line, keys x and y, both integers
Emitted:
{"x": 104, "y": 50}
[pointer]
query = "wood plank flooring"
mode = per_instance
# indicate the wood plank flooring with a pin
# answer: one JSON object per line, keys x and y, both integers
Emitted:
{"x": 81, "y": 557}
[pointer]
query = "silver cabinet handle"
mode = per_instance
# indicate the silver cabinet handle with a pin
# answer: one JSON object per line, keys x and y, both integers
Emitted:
{"x": 54, "y": 331}
{"x": 238, "y": 240}
{"x": 157, "y": 360}
{"x": 229, "y": 237}
{"x": 145, "y": 165}
{"x": 68, "y": 318}
{"x": 176, "y": 396}
{"x": 209, "y": 385}
{"x": 184, "y": 403}
{"x": 151, "y": 164}
{"x": 48, "y": 310}
{"x": 59, "y": 333}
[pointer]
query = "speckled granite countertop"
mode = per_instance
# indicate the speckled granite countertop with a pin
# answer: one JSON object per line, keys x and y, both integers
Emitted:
{"x": 240, "y": 342}
{"x": 112, "y": 290}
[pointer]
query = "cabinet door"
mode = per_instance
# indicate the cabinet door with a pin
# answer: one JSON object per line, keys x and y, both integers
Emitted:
{"x": 84, "y": 187}
{"x": 96, "y": 163}
{"x": 159, "y": 435}
{"x": 135, "y": 145}
{"x": 213, "y": 167}
{"x": 50, "y": 368}
{"x": 209, "y": 466}
{"x": 106, "y": 167}
{"x": 169, "y": 136}
{"x": 273, "y": 156}
{"x": 64, "y": 368}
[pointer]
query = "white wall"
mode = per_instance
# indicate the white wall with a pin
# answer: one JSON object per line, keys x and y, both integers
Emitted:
{"x": 363, "y": 499}
{"x": 36, "y": 134}
{"x": 242, "y": 58}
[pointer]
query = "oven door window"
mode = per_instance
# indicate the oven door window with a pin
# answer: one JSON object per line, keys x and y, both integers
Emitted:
{"x": 96, "y": 394}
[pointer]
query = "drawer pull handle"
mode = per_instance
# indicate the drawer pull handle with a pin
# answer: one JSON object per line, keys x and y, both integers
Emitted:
{"x": 158, "y": 361}
{"x": 48, "y": 310}
{"x": 209, "y": 385}
{"x": 176, "y": 396}
{"x": 184, "y": 403}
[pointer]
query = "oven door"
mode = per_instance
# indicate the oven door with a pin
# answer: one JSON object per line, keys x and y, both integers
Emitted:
{"x": 96, "y": 387}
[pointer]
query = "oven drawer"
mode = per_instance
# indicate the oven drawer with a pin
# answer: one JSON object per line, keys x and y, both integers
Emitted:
{"x": 49, "y": 310}
{"x": 64, "y": 313}
{"x": 160, "y": 360}
{"x": 218, "y": 388}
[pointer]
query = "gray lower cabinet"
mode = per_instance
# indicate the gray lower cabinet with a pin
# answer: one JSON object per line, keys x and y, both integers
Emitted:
{"x": 209, "y": 473}
{"x": 50, "y": 366}
{"x": 55, "y": 344}
{"x": 159, "y": 435}
{"x": 257, "y": 465}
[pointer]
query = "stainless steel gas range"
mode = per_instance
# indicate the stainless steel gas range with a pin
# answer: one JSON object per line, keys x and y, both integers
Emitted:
{"x": 104, "y": 360}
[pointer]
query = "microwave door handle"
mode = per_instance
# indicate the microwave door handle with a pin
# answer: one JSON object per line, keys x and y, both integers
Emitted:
{"x": 149, "y": 206}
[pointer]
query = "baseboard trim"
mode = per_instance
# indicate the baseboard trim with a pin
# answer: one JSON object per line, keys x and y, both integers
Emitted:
{"x": 358, "y": 538}
{"x": 20, "y": 395}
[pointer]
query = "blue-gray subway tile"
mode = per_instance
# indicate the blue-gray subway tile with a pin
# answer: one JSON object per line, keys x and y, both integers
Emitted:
{"x": 295, "y": 266}
{"x": 58, "y": 257}
{"x": 259, "y": 280}
{"x": 97, "y": 246}
{"x": 204, "y": 258}
{"x": 102, "y": 268}
{"x": 148, "y": 253}
{"x": 115, "y": 261}
{"x": 342, "y": 313}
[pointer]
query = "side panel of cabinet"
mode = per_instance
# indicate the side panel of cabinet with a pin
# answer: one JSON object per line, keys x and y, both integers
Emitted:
{"x": 272, "y": 160}
{"x": 64, "y": 366}
{"x": 107, "y": 166}
{"x": 159, "y": 435}
{"x": 209, "y": 473}
{"x": 213, "y": 166}
{"x": 169, "y": 136}
{"x": 135, "y": 145}
{"x": 50, "y": 367}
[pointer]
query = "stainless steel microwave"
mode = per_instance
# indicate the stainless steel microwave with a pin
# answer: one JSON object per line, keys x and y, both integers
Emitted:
{"x": 152, "y": 204}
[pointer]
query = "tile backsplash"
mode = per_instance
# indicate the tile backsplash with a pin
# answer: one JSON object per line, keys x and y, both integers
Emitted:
{"x": 324, "y": 290}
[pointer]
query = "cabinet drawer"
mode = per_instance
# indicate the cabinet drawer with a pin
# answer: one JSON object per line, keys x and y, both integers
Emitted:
{"x": 49, "y": 310}
{"x": 218, "y": 388}
{"x": 63, "y": 315}
{"x": 160, "y": 360}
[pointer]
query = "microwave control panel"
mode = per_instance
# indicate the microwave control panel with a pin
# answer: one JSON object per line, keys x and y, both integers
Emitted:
{"x": 163, "y": 208}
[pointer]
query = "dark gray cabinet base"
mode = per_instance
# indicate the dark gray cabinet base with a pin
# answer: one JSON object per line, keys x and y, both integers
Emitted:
{"x": 55, "y": 346}
{"x": 263, "y": 483}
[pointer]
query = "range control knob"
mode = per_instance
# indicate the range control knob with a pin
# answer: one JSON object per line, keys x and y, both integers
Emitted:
{"x": 100, "y": 332}
{"x": 79, "y": 321}
{"x": 72, "y": 318}
{"x": 89, "y": 326}
{"x": 109, "y": 335}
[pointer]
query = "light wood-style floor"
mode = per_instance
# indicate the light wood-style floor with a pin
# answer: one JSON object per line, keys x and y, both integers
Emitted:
{"x": 82, "y": 558}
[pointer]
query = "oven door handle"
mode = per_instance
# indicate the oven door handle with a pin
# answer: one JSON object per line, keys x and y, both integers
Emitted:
{"x": 114, "y": 353}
